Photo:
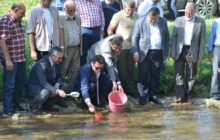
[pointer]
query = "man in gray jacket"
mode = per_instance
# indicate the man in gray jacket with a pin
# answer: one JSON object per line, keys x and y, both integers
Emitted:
{"x": 110, "y": 48}
{"x": 187, "y": 48}
{"x": 150, "y": 41}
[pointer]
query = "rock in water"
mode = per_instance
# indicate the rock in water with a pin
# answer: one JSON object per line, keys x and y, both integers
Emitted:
{"x": 213, "y": 103}
{"x": 16, "y": 116}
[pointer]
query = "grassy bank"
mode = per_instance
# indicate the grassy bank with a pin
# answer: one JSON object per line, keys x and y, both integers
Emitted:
{"x": 168, "y": 77}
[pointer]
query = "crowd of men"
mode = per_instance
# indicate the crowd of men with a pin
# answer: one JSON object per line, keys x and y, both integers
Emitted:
{"x": 92, "y": 47}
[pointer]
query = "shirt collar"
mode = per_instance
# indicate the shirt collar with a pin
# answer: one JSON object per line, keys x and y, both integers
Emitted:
{"x": 51, "y": 62}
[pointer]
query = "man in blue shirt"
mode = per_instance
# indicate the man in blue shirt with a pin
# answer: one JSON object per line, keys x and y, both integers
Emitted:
{"x": 214, "y": 51}
{"x": 93, "y": 83}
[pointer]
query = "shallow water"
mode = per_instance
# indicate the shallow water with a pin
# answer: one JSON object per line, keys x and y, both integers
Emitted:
{"x": 140, "y": 122}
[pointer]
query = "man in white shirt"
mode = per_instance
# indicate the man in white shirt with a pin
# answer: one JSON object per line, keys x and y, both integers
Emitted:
{"x": 187, "y": 49}
{"x": 150, "y": 40}
{"x": 43, "y": 29}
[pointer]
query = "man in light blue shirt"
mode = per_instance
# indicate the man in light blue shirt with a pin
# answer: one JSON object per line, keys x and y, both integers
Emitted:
{"x": 146, "y": 5}
{"x": 214, "y": 56}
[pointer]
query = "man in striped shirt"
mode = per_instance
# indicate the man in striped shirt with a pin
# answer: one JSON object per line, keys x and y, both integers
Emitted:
{"x": 93, "y": 23}
{"x": 12, "y": 57}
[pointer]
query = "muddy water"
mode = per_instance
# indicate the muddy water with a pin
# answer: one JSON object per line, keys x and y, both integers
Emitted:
{"x": 138, "y": 122}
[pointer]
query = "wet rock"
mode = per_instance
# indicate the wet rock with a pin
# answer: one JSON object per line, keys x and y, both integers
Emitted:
{"x": 213, "y": 103}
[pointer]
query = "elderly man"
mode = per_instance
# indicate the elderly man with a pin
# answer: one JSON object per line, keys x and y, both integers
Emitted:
{"x": 214, "y": 57}
{"x": 187, "y": 49}
{"x": 70, "y": 24}
{"x": 43, "y": 29}
{"x": 110, "y": 49}
{"x": 12, "y": 57}
{"x": 45, "y": 85}
{"x": 93, "y": 83}
{"x": 123, "y": 23}
{"x": 145, "y": 6}
{"x": 93, "y": 23}
{"x": 151, "y": 47}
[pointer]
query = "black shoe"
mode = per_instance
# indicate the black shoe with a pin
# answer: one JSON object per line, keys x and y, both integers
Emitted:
{"x": 34, "y": 110}
{"x": 142, "y": 100}
{"x": 216, "y": 98}
{"x": 19, "y": 108}
{"x": 62, "y": 103}
{"x": 156, "y": 100}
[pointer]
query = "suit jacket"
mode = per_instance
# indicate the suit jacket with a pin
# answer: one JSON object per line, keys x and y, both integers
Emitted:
{"x": 141, "y": 37}
{"x": 41, "y": 77}
{"x": 197, "y": 46}
{"x": 103, "y": 48}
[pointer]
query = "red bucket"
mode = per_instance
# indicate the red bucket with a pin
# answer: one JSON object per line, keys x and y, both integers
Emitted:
{"x": 117, "y": 101}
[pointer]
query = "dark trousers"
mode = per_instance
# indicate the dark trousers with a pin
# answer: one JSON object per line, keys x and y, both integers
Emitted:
{"x": 184, "y": 65}
{"x": 171, "y": 4}
{"x": 149, "y": 72}
{"x": 126, "y": 69}
{"x": 89, "y": 37}
{"x": 44, "y": 97}
{"x": 13, "y": 85}
{"x": 40, "y": 54}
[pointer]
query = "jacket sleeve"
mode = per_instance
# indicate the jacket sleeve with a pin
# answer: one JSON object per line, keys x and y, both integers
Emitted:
{"x": 84, "y": 82}
{"x": 173, "y": 40}
{"x": 167, "y": 40}
{"x": 202, "y": 39}
{"x": 135, "y": 38}
{"x": 41, "y": 73}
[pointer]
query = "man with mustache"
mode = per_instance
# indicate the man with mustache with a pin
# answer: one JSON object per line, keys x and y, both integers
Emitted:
{"x": 12, "y": 57}
{"x": 70, "y": 24}
{"x": 187, "y": 49}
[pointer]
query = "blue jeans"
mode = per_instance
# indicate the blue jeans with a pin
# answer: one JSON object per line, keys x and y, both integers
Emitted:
{"x": 89, "y": 37}
{"x": 13, "y": 85}
{"x": 215, "y": 91}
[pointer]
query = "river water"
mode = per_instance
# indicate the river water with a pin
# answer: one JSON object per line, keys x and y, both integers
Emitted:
{"x": 150, "y": 122}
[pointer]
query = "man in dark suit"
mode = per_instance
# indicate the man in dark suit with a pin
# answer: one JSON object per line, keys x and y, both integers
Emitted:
{"x": 45, "y": 85}
{"x": 93, "y": 82}
{"x": 151, "y": 46}
{"x": 187, "y": 49}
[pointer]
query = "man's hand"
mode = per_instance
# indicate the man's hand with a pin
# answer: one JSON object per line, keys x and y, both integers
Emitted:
{"x": 210, "y": 56}
{"x": 34, "y": 55}
{"x": 120, "y": 88}
{"x": 91, "y": 108}
{"x": 114, "y": 86}
{"x": 173, "y": 57}
{"x": 9, "y": 65}
{"x": 61, "y": 93}
{"x": 90, "y": 105}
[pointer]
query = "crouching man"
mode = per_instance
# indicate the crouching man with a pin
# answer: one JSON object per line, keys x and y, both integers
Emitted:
{"x": 45, "y": 85}
{"x": 93, "y": 83}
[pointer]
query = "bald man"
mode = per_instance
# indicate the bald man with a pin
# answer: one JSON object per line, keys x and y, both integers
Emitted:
{"x": 12, "y": 57}
{"x": 187, "y": 49}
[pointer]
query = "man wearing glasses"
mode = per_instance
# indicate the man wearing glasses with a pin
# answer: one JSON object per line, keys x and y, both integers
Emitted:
{"x": 45, "y": 85}
{"x": 93, "y": 83}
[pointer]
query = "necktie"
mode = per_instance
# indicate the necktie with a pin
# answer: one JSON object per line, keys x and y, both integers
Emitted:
{"x": 53, "y": 71}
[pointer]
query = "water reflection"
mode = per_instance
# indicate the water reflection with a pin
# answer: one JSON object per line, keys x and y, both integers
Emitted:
{"x": 148, "y": 122}
{"x": 117, "y": 123}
